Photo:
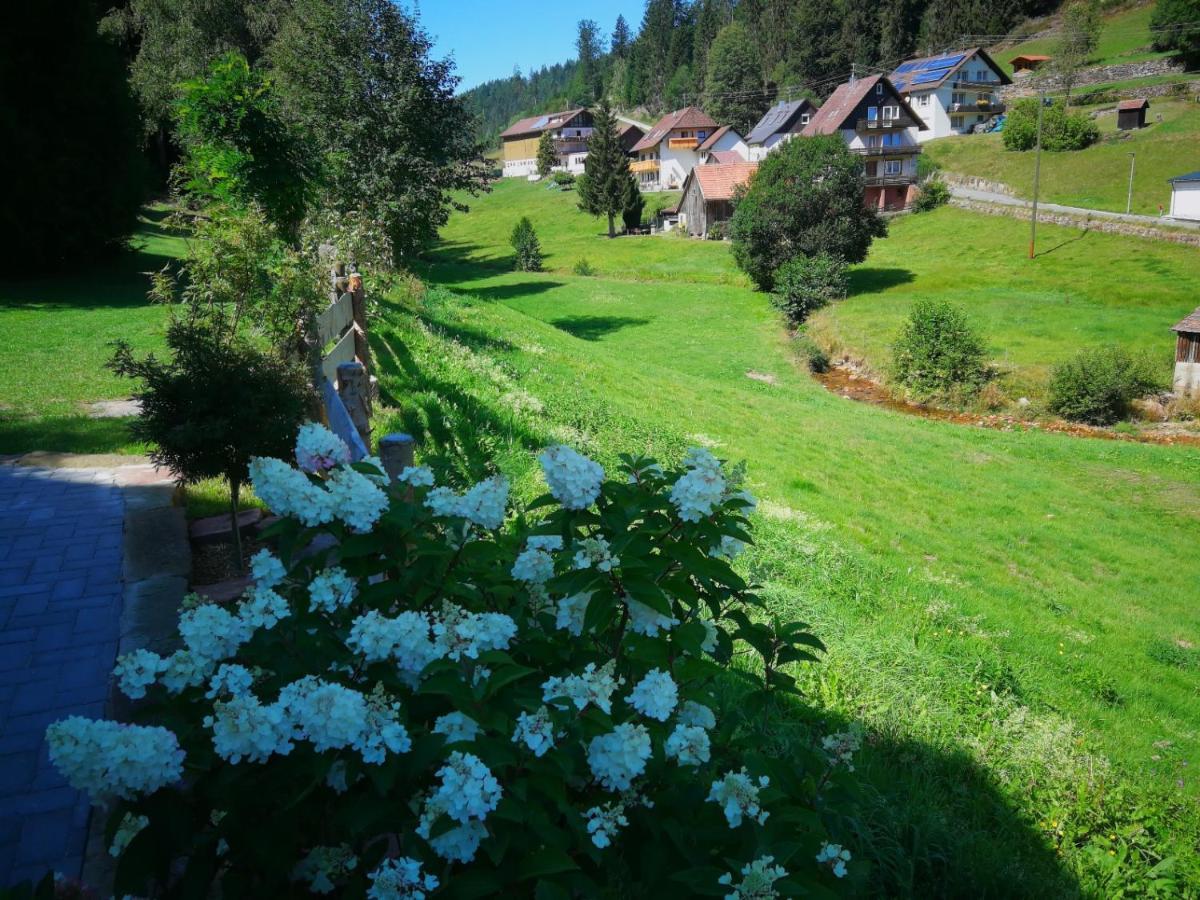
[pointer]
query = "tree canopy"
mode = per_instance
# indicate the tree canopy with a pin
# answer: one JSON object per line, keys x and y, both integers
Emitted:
{"x": 733, "y": 90}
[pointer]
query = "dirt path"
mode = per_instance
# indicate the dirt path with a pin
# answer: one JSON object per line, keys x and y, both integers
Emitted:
{"x": 845, "y": 382}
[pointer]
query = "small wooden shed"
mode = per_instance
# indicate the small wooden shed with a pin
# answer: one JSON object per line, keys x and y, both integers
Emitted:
{"x": 1023, "y": 65}
{"x": 1187, "y": 354}
{"x": 1131, "y": 114}
{"x": 708, "y": 195}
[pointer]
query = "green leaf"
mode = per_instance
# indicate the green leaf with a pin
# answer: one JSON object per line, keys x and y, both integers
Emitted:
{"x": 702, "y": 880}
{"x": 501, "y": 678}
{"x": 546, "y": 861}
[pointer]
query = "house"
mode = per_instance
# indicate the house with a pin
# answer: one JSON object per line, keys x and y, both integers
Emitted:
{"x": 781, "y": 122}
{"x": 708, "y": 195}
{"x": 1187, "y": 354}
{"x": 570, "y": 129}
{"x": 953, "y": 92}
{"x": 723, "y": 157}
{"x": 878, "y": 124}
{"x": 670, "y": 150}
{"x": 724, "y": 141}
{"x": 1131, "y": 114}
{"x": 1185, "y": 197}
{"x": 1027, "y": 64}
{"x": 630, "y": 132}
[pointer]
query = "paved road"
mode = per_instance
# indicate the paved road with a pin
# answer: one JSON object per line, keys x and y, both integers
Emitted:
{"x": 1005, "y": 200}
{"x": 60, "y": 605}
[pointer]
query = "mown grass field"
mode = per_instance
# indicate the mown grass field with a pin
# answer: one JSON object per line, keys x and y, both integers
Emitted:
{"x": 1083, "y": 289}
{"x": 1098, "y": 176}
{"x": 1011, "y": 615}
{"x": 1124, "y": 38}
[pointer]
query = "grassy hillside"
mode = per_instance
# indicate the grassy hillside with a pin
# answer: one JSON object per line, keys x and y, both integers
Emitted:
{"x": 1098, "y": 177}
{"x": 1010, "y": 614}
{"x": 1125, "y": 38}
{"x": 1084, "y": 288}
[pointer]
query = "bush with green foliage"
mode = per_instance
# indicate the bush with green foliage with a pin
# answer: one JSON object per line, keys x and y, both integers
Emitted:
{"x": 805, "y": 284}
{"x": 437, "y": 697}
{"x": 938, "y": 354}
{"x": 717, "y": 231}
{"x": 805, "y": 199}
{"x": 564, "y": 180}
{"x": 931, "y": 194}
{"x": 583, "y": 268}
{"x": 73, "y": 166}
{"x": 528, "y": 249}
{"x": 1098, "y": 384}
{"x": 1061, "y": 130}
{"x": 811, "y": 352}
{"x": 547, "y": 154}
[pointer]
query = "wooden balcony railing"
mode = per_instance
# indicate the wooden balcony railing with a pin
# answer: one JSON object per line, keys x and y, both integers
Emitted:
{"x": 866, "y": 125}
{"x": 889, "y": 180}
{"x": 682, "y": 143}
{"x": 644, "y": 165}
{"x": 903, "y": 150}
{"x": 987, "y": 107}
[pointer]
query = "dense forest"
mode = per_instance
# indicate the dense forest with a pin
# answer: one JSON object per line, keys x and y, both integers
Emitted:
{"x": 738, "y": 55}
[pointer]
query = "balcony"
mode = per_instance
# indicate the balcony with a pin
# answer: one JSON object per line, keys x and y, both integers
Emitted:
{"x": 863, "y": 126}
{"x": 987, "y": 108}
{"x": 969, "y": 83}
{"x": 573, "y": 145}
{"x": 889, "y": 180}
{"x": 643, "y": 165}
{"x": 902, "y": 150}
{"x": 682, "y": 143}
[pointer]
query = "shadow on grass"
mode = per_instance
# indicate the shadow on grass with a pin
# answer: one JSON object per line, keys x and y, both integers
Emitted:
{"x": 501, "y": 292}
{"x": 592, "y": 328}
{"x": 872, "y": 280}
{"x": 67, "y": 434}
{"x": 1061, "y": 244}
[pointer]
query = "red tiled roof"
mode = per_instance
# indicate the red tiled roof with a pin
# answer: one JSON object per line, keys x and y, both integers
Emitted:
{"x": 688, "y": 117}
{"x": 1133, "y": 104}
{"x": 715, "y": 136}
{"x": 831, "y": 117}
{"x": 718, "y": 182}
{"x": 538, "y": 124}
{"x": 1190, "y": 324}
{"x": 1028, "y": 57}
{"x": 723, "y": 157}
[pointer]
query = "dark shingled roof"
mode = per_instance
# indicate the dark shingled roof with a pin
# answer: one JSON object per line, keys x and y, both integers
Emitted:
{"x": 688, "y": 117}
{"x": 1190, "y": 176}
{"x": 1190, "y": 324}
{"x": 538, "y": 124}
{"x": 842, "y": 102}
{"x": 781, "y": 117}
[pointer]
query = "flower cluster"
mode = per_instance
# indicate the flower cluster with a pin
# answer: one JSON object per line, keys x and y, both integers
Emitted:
{"x": 332, "y": 590}
{"x": 618, "y": 757}
{"x": 595, "y": 551}
{"x": 603, "y": 822}
{"x": 842, "y": 746}
{"x": 323, "y": 867}
{"x": 400, "y": 879}
{"x": 318, "y": 449}
{"x": 456, "y": 727}
{"x": 109, "y": 759}
{"x": 417, "y": 476}
{"x": 535, "y": 564}
{"x": 346, "y": 495}
{"x": 655, "y": 695}
{"x": 758, "y": 880}
{"x": 482, "y": 505}
{"x": 573, "y": 479}
{"x": 737, "y": 795}
{"x": 136, "y": 671}
{"x": 835, "y": 856}
{"x": 698, "y": 492}
{"x": 267, "y": 570}
{"x": 689, "y": 744}
{"x": 535, "y": 730}
{"x": 647, "y": 621}
{"x": 592, "y": 685}
{"x": 570, "y": 611}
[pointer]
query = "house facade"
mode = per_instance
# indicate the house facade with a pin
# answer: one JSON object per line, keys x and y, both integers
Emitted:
{"x": 723, "y": 145}
{"x": 877, "y": 124}
{"x": 708, "y": 195}
{"x": 780, "y": 123}
{"x": 671, "y": 149}
{"x": 1185, "y": 197}
{"x": 953, "y": 92}
{"x": 1187, "y": 354}
{"x": 570, "y": 130}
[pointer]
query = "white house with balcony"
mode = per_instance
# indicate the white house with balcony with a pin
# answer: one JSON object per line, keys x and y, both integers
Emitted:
{"x": 953, "y": 92}
{"x": 569, "y": 129}
{"x": 878, "y": 124}
{"x": 671, "y": 149}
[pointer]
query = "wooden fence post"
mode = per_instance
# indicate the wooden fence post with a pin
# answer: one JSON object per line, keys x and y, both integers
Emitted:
{"x": 358, "y": 299}
{"x": 396, "y": 453}
{"x": 353, "y": 388}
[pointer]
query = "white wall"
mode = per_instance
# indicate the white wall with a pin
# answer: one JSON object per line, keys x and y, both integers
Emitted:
{"x": 936, "y": 113}
{"x": 519, "y": 168}
{"x": 1185, "y": 200}
{"x": 730, "y": 140}
{"x": 674, "y": 166}
{"x": 1187, "y": 377}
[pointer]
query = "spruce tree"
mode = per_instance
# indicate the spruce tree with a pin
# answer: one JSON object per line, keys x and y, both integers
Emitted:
{"x": 620, "y": 38}
{"x": 601, "y": 188}
{"x": 547, "y": 155}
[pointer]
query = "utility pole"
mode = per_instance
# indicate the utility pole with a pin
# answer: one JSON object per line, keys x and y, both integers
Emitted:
{"x": 1037, "y": 171}
{"x": 1129, "y": 198}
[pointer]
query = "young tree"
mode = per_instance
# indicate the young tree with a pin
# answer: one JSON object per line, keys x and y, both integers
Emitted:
{"x": 525, "y": 244}
{"x": 73, "y": 163}
{"x": 1176, "y": 27}
{"x": 602, "y": 186}
{"x": 733, "y": 89}
{"x": 357, "y": 77}
{"x": 631, "y": 215}
{"x": 547, "y": 155}
{"x": 939, "y": 354}
{"x": 805, "y": 199}
{"x": 1080, "y": 31}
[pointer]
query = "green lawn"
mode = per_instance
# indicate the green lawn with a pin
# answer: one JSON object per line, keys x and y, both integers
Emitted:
{"x": 1011, "y": 614}
{"x": 57, "y": 332}
{"x": 1084, "y": 288}
{"x": 1097, "y": 177}
{"x": 1125, "y": 38}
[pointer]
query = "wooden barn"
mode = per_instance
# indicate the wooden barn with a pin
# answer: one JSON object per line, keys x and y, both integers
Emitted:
{"x": 1028, "y": 63}
{"x": 1187, "y": 354}
{"x": 708, "y": 195}
{"x": 1131, "y": 114}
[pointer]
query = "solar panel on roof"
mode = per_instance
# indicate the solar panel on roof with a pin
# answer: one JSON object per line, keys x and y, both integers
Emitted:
{"x": 541, "y": 123}
{"x": 907, "y": 67}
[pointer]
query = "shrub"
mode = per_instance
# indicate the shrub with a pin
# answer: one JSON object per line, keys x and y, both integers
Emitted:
{"x": 938, "y": 353}
{"x": 431, "y": 697}
{"x": 583, "y": 267}
{"x": 525, "y": 242}
{"x": 565, "y": 180}
{"x": 805, "y": 199}
{"x": 634, "y": 206}
{"x": 718, "y": 231}
{"x": 1098, "y": 384}
{"x": 933, "y": 193}
{"x": 813, "y": 355}
{"x": 807, "y": 283}
{"x": 1061, "y": 130}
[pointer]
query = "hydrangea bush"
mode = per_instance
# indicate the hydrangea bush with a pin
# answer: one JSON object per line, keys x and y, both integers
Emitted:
{"x": 424, "y": 694}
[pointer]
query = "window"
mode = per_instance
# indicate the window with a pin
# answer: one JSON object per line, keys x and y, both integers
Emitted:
{"x": 892, "y": 139}
{"x": 879, "y": 88}
{"x": 701, "y": 134}
{"x": 804, "y": 118}
{"x": 872, "y": 114}
{"x": 892, "y": 166}
{"x": 958, "y": 99}
{"x": 890, "y": 113}
{"x": 873, "y": 140}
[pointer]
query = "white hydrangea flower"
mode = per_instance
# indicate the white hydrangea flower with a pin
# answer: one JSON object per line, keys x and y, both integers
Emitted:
{"x": 266, "y": 569}
{"x": 620, "y": 756}
{"x": 400, "y": 879}
{"x": 482, "y": 505}
{"x": 458, "y": 844}
{"x": 603, "y": 822}
{"x": 536, "y": 730}
{"x": 570, "y": 611}
{"x": 264, "y": 608}
{"x": 231, "y": 679}
{"x": 442, "y": 501}
{"x": 184, "y": 669}
{"x": 456, "y": 727}
{"x": 595, "y": 551}
{"x": 842, "y": 746}
{"x": 110, "y": 759}
{"x": 131, "y": 826}
{"x": 693, "y": 713}
{"x": 709, "y": 644}
{"x": 289, "y": 492}
{"x": 332, "y": 716}
{"x": 417, "y": 476}
{"x": 647, "y": 621}
{"x": 698, "y": 491}
{"x": 468, "y": 791}
{"x": 728, "y": 548}
{"x": 592, "y": 685}
{"x": 835, "y": 856}
{"x": 574, "y": 480}
{"x": 758, "y": 880}
{"x": 136, "y": 671}
{"x": 356, "y": 499}
{"x": 212, "y": 633}
{"x": 547, "y": 542}
{"x": 655, "y": 695}
{"x": 318, "y": 449}
{"x": 459, "y": 633}
{"x": 245, "y": 728}
{"x": 534, "y": 565}
{"x": 335, "y": 778}
{"x": 689, "y": 744}
{"x": 332, "y": 589}
{"x": 323, "y": 867}
{"x": 737, "y": 796}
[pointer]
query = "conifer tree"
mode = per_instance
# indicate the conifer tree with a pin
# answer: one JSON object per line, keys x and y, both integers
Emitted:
{"x": 602, "y": 186}
{"x": 733, "y": 90}
{"x": 547, "y": 155}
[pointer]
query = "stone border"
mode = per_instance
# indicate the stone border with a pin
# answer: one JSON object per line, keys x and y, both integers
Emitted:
{"x": 1083, "y": 222}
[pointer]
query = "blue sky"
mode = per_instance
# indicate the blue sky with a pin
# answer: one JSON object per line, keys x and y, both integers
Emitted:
{"x": 488, "y": 37}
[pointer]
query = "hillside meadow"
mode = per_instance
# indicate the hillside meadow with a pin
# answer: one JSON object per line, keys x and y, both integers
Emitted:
{"x": 1010, "y": 615}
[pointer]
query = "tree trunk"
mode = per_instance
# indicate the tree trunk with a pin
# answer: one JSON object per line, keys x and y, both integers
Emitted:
{"x": 612, "y": 232}
{"x": 234, "y": 488}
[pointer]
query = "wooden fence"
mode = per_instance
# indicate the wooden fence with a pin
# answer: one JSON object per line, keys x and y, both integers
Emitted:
{"x": 342, "y": 375}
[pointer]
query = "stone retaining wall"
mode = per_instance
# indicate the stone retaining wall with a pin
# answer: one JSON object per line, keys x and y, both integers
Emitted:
{"x": 970, "y": 182}
{"x": 1027, "y": 87}
{"x": 1086, "y": 223}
